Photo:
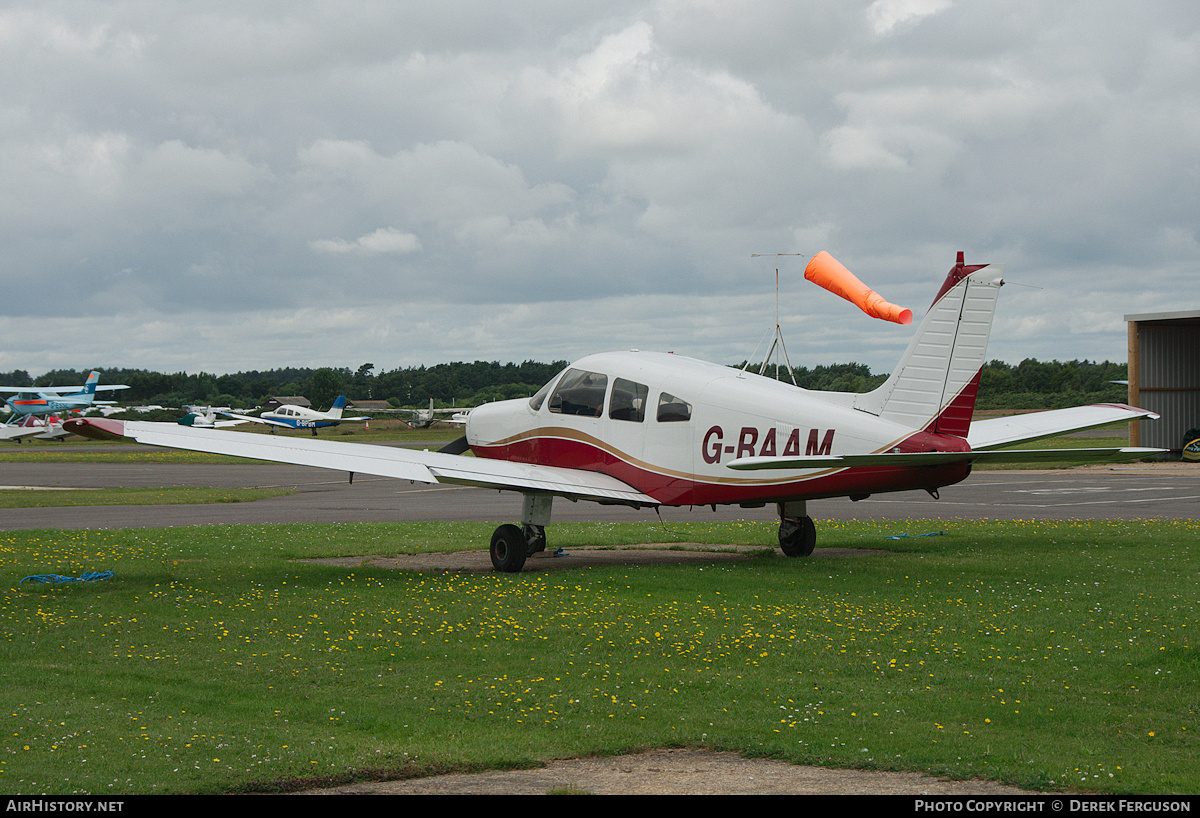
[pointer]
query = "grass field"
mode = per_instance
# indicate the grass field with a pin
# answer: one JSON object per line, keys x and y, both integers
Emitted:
{"x": 1049, "y": 655}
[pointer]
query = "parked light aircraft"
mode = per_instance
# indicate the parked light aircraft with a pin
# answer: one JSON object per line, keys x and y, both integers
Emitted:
{"x": 289, "y": 416}
{"x": 646, "y": 429}
{"x": 207, "y": 420}
{"x": 31, "y": 426}
{"x": 424, "y": 418}
{"x": 45, "y": 400}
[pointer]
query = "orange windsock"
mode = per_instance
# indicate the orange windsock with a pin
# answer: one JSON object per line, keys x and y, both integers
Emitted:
{"x": 826, "y": 271}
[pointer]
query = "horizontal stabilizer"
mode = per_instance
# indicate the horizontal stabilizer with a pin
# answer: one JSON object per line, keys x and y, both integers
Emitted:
{"x": 852, "y": 461}
{"x": 993, "y": 432}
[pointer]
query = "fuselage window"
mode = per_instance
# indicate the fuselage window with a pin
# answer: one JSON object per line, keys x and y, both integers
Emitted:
{"x": 628, "y": 400}
{"x": 579, "y": 393}
{"x": 673, "y": 410}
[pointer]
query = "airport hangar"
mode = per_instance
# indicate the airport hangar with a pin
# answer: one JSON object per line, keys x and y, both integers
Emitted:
{"x": 1164, "y": 376}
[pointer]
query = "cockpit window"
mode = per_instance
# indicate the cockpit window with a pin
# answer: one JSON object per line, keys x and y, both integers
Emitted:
{"x": 673, "y": 410}
{"x": 579, "y": 393}
{"x": 628, "y": 401}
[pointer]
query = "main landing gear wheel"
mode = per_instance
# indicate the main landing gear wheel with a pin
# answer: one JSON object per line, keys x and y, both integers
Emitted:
{"x": 508, "y": 549}
{"x": 797, "y": 536}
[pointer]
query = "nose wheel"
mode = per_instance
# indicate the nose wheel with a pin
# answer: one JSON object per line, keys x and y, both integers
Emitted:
{"x": 797, "y": 533}
{"x": 797, "y": 537}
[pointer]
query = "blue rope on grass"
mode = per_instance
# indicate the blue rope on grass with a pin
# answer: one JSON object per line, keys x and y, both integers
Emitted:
{"x": 90, "y": 576}
{"x": 902, "y": 536}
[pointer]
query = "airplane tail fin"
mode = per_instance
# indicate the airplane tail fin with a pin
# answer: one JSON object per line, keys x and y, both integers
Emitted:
{"x": 89, "y": 387}
{"x": 934, "y": 386}
{"x": 338, "y": 405}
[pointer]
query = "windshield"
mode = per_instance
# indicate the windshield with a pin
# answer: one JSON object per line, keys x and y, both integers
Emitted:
{"x": 535, "y": 403}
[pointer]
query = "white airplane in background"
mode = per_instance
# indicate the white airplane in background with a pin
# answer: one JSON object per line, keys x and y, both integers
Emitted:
{"x": 32, "y": 427}
{"x": 424, "y": 418}
{"x": 207, "y": 420}
{"x": 289, "y": 416}
{"x": 646, "y": 429}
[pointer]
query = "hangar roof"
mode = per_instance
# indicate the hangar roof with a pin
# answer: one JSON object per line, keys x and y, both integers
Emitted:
{"x": 1164, "y": 316}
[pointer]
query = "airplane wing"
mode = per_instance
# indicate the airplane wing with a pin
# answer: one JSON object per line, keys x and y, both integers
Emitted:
{"x": 835, "y": 461}
{"x": 384, "y": 461}
{"x": 59, "y": 390}
{"x": 1003, "y": 431}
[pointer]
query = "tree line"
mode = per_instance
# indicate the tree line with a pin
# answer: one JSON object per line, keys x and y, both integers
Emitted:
{"x": 1031, "y": 384}
{"x": 459, "y": 383}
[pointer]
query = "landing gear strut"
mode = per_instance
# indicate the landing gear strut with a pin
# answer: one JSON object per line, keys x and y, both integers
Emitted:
{"x": 797, "y": 533}
{"x": 511, "y": 545}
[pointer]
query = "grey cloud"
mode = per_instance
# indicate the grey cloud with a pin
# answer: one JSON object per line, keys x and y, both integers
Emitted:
{"x": 545, "y": 167}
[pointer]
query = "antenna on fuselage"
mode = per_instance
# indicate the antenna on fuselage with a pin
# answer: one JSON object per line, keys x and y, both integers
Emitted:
{"x": 776, "y": 342}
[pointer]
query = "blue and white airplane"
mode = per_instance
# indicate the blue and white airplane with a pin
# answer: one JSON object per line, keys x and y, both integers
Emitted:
{"x": 47, "y": 400}
{"x": 290, "y": 416}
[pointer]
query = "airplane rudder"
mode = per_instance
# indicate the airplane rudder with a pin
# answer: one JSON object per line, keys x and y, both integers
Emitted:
{"x": 935, "y": 384}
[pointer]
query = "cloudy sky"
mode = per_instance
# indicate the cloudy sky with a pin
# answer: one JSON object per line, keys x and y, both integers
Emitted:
{"x": 226, "y": 186}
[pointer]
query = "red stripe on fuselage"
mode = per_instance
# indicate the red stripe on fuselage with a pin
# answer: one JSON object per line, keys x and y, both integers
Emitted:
{"x": 674, "y": 488}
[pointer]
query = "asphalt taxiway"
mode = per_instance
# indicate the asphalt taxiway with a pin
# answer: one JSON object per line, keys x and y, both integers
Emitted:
{"x": 1169, "y": 490}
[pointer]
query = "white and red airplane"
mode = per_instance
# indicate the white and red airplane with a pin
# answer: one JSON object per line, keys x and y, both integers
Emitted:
{"x": 647, "y": 429}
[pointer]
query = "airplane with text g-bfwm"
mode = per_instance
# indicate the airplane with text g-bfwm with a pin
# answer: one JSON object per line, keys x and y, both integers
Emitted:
{"x": 646, "y": 429}
{"x": 290, "y": 416}
{"x": 46, "y": 400}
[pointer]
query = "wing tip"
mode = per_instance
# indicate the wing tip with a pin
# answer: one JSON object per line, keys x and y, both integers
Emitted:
{"x": 96, "y": 428}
